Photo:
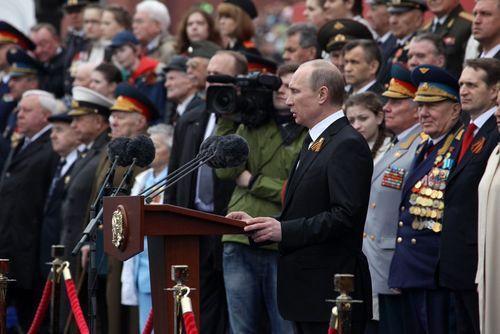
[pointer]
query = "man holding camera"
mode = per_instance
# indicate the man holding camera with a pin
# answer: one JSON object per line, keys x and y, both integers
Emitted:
{"x": 250, "y": 271}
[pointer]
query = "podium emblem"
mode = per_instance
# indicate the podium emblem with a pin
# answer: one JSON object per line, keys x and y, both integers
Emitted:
{"x": 119, "y": 228}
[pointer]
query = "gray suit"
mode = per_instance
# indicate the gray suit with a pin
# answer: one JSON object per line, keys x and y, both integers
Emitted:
{"x": 379, "y": 237}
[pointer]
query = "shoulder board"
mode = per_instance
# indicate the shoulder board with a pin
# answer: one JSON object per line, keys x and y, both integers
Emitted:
{"x": 409, "y": 141}
{"x": 466, "y": 16}
{"x": 424, "y": 136}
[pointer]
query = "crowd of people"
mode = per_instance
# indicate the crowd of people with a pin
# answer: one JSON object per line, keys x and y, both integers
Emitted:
{"x": 373, "y": 151}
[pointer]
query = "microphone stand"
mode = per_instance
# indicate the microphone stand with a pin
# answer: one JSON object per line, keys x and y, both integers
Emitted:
{"x": 177, "y": 177}
{"x": 148, "y": 191}
{"x": 89, "y": 234}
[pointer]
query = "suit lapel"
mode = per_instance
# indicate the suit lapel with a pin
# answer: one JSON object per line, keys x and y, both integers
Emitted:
{"x": 32, "y": 147}
{"x": 310, "y": 156}
{"x": 481, "y": 136}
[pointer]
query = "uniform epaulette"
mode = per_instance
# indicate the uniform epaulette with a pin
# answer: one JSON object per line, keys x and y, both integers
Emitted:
{"x": 467, "y": 16}
{"x": 424, "y": 136}
{"x": 407, "y": 143}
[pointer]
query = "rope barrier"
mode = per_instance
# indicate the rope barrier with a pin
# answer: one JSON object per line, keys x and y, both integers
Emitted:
{"x": 148, "y": 327}
{"x": 74, "y": 302}
{"x": 188, "y": 315}
{"x": 42, "y": 308}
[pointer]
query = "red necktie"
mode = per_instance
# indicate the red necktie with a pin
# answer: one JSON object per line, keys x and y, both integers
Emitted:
{"x": 468, "y": 137}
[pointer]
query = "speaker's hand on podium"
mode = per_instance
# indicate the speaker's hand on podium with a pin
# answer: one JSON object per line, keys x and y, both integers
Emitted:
{"x": 264, "y": 229}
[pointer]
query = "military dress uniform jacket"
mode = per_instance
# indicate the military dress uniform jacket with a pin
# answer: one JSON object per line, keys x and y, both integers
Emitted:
{"x": 389, "y": 175}
{"x": 322, "y": 225}
{"x": 22, "y": 199}
{"x": 458, "y": 251}
{"x": 416, "y": 257}
{"x": 76, "y": 203}
{"x": 455, "y": 32}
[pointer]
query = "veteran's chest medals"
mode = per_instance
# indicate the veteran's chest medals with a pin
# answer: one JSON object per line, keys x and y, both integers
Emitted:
{"x": 427, "y": 198}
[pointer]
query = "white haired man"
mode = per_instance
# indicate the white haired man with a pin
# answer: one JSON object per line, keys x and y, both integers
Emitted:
{"x": 150, "y": 25}
{"x": 24, "y": 185}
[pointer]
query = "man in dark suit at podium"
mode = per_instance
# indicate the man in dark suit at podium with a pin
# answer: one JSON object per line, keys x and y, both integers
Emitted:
{"x": 320, "y": 230}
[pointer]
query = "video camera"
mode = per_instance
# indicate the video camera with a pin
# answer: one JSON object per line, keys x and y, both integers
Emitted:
{"x": 244, "y": 99}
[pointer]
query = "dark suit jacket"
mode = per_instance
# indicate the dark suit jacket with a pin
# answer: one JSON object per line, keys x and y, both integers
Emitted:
{"x": 22, "y": 199}
{"x": 76, "y": 202}
{"x": 188, "y": 136}
{"x": 322, "y": 227}
{"x": 455, "y": 33}
{"x": 458, "y": 251}
{"x": 52, "y": 79}
{"x": 52, "y": 222}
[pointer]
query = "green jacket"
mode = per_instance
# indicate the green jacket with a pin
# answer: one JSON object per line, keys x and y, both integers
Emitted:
{"x": 269, "y": 162}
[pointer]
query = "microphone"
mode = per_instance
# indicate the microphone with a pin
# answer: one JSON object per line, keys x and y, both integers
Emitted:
{"x": 117, "y": 153}
{"x": 117, "y": 150}
{"x": 232, "y": 151}
{"x": 142, "y": 151}
{"x": 139, "y": 151}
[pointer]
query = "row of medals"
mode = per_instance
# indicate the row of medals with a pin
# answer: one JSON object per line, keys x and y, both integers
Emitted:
{"x": 426, "y": 200}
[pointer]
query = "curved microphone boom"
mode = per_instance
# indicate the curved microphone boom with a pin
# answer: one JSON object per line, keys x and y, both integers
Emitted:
{"x": 207, "y": 148}
{"x": 230, "y": 151}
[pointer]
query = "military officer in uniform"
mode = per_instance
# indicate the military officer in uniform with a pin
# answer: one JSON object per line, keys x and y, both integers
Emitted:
{"x": 414, "y": 265}
{"x": 406, "y": 17}
{"x": 336, "y": 33}
{"x": 389, "y": 176}
{"x": 10, "y": 37}
{"x": 453, "y": 25}
{"x": 23, "y": 76}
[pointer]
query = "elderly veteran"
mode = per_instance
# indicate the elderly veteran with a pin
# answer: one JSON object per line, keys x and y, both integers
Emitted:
{"x": 414, "y": 265}
{"x": 389, "y": 175}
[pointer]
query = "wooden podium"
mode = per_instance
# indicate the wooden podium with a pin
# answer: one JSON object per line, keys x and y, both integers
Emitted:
{"x": 173, "y": 239}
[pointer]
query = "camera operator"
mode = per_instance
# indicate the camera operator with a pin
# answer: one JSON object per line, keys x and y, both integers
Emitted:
{"x": 274, "y": 141}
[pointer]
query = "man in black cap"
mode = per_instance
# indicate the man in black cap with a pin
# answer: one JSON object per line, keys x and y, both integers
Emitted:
{"x": 24, "y": 185}
{"x": 181, "y": 90}
{"x": 64, "y": 142}
{"x": 75, "y": 39}
{"x": 335, "y": 34}
{"x": 199, "y": 54}
{"x": 143, "y": 72}
{"x": 453, "y": 25}
{"x": 406, "y": 17}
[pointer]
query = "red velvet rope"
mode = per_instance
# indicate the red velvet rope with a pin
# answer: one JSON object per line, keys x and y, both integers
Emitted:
{"x": 148, "y": 327}
{"x": 42, "y": 308}
{"x": 332, "y": 331}
{"x": 75, "y": 306}
{"x": 189, "y": 323}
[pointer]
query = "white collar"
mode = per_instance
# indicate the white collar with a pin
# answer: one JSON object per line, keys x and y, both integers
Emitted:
{"x": 365, "y": 87}
{"x": 439, "y": 20}
{"x": 154, "y": 43}
{"x": 479, "y": 122}
{"x": 39, "y": 133}
{"x": 70, "y": 159}
{"x": 321, "y": 126}
{"x": 384, "y": 38}
{"x": 403, "y": 40}
{"x": 491, "y": 53}
{"x": 181, "y": 107}
{"x": 437, "y": 140}
{"x": 406, "y": 132}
